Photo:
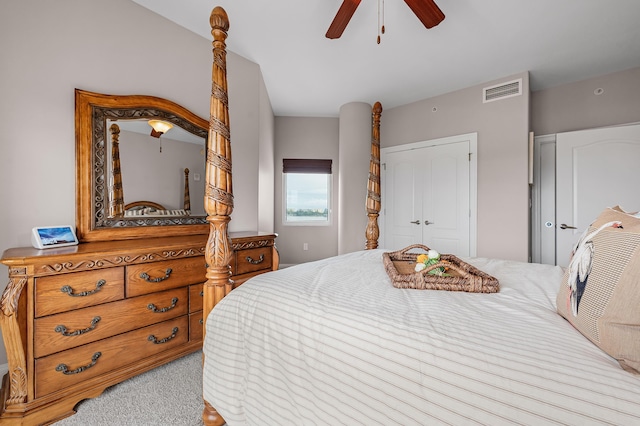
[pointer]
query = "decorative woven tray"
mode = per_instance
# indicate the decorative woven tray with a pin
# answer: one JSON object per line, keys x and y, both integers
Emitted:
{"x": 460, "y": 276}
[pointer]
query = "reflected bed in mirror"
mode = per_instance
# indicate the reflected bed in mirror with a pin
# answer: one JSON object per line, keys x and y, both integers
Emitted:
{"x": 133, "y": 181}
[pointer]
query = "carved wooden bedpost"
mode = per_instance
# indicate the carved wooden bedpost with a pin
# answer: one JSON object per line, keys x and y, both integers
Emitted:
{"x": 186, "y": 200}
{"x": 373, "y": 185}
{"x": 117, "y": 193}
{"x": 218, "y": 197}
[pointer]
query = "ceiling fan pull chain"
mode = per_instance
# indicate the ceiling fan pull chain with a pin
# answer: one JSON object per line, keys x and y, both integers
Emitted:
{"x": 380, "y": 19}
{"x": 378, "y": 40}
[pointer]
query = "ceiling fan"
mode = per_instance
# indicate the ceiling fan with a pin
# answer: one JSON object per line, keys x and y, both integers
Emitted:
{"x": 426, "y": 10}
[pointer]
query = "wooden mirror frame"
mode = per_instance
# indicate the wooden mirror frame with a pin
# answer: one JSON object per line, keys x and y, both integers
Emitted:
{"x": 91, "y": 114}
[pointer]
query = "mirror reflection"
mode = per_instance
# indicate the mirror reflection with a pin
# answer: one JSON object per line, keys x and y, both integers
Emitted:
{"x": 154, "y": 173}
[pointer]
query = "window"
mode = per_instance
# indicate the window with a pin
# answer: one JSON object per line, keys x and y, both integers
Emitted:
{"x": 307, "y": 192}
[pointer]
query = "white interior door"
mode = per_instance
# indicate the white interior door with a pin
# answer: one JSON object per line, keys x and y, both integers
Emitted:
{"x": 595, "y": 169}
{"x": 429, "y": 196}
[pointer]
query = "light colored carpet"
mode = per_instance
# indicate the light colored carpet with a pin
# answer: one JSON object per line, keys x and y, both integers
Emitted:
{"x": 168, "y": 395}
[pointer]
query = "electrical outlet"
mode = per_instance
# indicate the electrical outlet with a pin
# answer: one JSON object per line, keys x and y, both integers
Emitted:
{"x": 305, "y": 246}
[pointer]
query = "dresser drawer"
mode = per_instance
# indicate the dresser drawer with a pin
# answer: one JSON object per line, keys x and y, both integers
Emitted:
{"x": 252, "y": 260}
{"x": 195, "y": 327}
{"x": 77, "y": 365}
{"x": 156, "y": 276}
{"x": 70, "y": 329}
{"x": 195, "y": 297}
{"x": 65, "y": 292}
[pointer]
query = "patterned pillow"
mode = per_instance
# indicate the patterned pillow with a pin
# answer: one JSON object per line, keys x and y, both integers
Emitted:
{"x": 600, "y": 291}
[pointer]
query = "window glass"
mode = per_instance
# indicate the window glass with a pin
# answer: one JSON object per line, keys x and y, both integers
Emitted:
{"x": 307, "y": 198}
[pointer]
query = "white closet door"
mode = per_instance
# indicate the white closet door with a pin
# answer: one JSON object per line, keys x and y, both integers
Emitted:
{"x": 402, "y": 199}
{"x": 426, "y": 198}
{"x": 445, "y": 204}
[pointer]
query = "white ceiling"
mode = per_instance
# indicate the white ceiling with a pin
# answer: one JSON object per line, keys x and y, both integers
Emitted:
{"x": 306, "y": 74}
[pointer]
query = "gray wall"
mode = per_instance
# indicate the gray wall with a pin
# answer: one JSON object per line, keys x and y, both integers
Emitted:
{"x": 503, "y": 200}
{"x": 266, "y": 173}
{"x": 575, "y": 106}
{"x": 354, "y": 150}
{"x": 306, "y": 137}
{"x": 252, "y": 140}
{"x": 502, "y": 126}
{"x": 51, "y": 48}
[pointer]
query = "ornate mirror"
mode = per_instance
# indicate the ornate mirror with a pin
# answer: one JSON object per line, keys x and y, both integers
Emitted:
{"x": 140, "y": 166}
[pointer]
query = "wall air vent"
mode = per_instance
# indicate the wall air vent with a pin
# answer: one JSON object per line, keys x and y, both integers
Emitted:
{"x": 502, "y": 91}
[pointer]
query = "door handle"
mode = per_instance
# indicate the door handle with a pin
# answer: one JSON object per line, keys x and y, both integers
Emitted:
{"x": 417, "y": 222}
{"x": 565, "y": 226}
{"x": 426, "y": 222}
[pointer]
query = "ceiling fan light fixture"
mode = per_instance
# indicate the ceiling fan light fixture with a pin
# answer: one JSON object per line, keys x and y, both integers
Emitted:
{"x": 159, "y": 127}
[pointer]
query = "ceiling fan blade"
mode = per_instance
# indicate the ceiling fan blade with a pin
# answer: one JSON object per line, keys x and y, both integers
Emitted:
{"x": 342, "y": 18}
{"x": 427, "y": 12}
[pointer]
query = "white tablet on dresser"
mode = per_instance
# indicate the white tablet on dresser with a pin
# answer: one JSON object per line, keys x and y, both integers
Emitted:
{"x": 44, "y": 237}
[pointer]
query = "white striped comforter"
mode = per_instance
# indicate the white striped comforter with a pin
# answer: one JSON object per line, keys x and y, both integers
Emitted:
{"x": 333, "y": 342}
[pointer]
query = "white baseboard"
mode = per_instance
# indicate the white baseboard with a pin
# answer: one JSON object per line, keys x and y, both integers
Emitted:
{"x": 4, "y": 369}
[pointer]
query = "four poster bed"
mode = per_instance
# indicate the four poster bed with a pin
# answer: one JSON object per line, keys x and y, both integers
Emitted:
{"x": 334, "y": 342}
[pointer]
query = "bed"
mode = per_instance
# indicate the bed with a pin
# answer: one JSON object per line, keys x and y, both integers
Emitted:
{"x": 334, "y": 342}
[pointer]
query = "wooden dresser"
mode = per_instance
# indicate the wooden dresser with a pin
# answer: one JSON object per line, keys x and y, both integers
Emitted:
{"x": 76, "y": 320}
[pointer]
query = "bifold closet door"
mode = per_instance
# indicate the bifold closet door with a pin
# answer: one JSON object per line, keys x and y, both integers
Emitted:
{"x": 426, "y": 198}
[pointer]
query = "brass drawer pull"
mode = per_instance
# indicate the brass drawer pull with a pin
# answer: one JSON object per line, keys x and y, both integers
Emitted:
{"x": 153, "y": 308}
{"x": 155, "y": 340}
{"x": 67, "y": 289}
{"x": 255, "y": 262}
{"x": 65, "y": 370}
{"x": 63, "y": 330}
{"x": 148, "y": 279}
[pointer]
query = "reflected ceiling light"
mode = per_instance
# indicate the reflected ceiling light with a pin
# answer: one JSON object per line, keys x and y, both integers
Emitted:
{"x": 158, "y": 127}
